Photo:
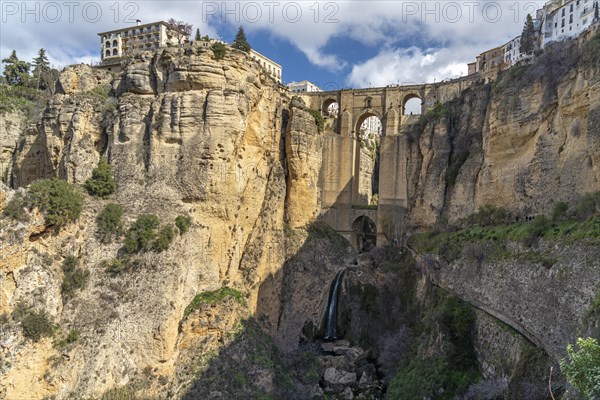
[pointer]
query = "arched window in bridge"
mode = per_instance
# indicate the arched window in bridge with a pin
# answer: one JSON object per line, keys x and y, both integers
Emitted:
{"x": 412, "y": 105}
{"x": 331, "y": 108}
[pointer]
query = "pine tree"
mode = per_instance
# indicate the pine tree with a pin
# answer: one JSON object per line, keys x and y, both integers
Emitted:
{"x": 41, "y": 70}
{"x": 198, "y": 37}
{"x": 240, "y": 42}
{"x": 16, "y": 71}
{"x": 528, "y": 37}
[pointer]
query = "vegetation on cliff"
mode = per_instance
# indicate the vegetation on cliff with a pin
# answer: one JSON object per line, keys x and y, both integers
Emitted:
{"x": 102, "y": 183}
{"x": 214, "y": 297}
{"x": 75, "y": 278}
{"x": 486, "y": 233}
{"x": 60, "y": 201}
{"x": 582, "y": 367}
{"x": 444, "y": 374}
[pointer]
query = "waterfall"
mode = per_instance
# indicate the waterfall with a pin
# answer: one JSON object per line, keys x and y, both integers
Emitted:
{"x": 334, "y": 293}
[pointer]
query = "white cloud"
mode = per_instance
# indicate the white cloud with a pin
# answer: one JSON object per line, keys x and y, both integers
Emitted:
{"x": 309, "y": 28}
{"x": 408, "y": 66}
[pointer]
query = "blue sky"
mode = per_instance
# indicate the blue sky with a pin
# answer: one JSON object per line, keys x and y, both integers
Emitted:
{"x": 337, "y": 44}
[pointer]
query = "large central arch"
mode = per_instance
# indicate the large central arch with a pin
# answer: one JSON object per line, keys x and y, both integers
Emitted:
{"x": 365, "y": 188}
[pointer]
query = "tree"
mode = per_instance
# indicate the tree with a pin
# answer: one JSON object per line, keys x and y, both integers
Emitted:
{"x": 240, "y": 42}
{"x": 101, "y": 184}
{"x": 181, "y": 30}
{"x": 16, "y": 71}
{"x": 198, "y": 37}
{"x": 528, "y": 37}
{"x": 41, "y": 70}
{"x": 219, "y": 50}
{"x": 582, "y": 369}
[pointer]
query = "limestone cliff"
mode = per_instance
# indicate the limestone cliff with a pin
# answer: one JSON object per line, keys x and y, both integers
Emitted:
{"x": 523, "y": 142}
{"x": 185, "y": 134}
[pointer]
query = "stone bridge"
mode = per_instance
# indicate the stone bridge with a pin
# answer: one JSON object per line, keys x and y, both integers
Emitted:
{"x": 342, "y": 204}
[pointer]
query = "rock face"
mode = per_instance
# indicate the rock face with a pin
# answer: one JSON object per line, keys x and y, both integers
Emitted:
{"x": 303, "y": 150}
{"x": 11, "y": 127}
{"x": 524, "y": 142}
{"x": 185, "y": 134}
{"x": 545, "y": 296}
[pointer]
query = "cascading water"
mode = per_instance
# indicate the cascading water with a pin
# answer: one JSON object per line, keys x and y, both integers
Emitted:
{"x": 334, "y": 293}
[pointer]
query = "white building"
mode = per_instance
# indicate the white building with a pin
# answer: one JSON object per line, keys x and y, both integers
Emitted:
{"x": 149, "y": 37}
{"x": 302, "y": 87}
{"x": 269, "y": 65}
{"x": 566, "y": 18}
{"x": 511, "y": 51}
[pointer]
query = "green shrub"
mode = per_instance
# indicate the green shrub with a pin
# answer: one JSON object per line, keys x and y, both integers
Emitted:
{"x": 183, "y": 223}
{"x": 487, "y": 216}
{"x": 102, "y": 183}
{"x": 19, "y": 98}
{"x": 143, "y": 232}
{"x": 582, "y": 368}
{"x": 219, "y": 50}
{"x": 587, "y": 207}
{"x": 73, "y": 336}
{"x": 214, "y": 297}
{"x": 74, "y": 279}
{"x": 535, "y": 230}
{"x": 434, "y": 113}
{"x": 559, "y": 212}
{"x": 319, "y": 120}
{"x": 15, "y": 209}
{"x": 36, "y": 325}
{"x": 119, "y": 393}
{"x": 109, "y": 222}
{"x": 164, "y": 238}
{"x": 60, "y": 201}
{"x": 449, "y": 250}
{"x": 116, "y": 265}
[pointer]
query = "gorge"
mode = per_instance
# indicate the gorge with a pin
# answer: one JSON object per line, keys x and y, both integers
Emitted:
{"x": 473, "y": 288}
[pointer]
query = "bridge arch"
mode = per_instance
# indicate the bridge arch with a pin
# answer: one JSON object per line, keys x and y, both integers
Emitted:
{"x": 364, "y": 234}
{"x": 330, "y": 107}
{"x": 363, "y": 117}
{"x": 368, "y": 132}
{"x": 412, "y": 104}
